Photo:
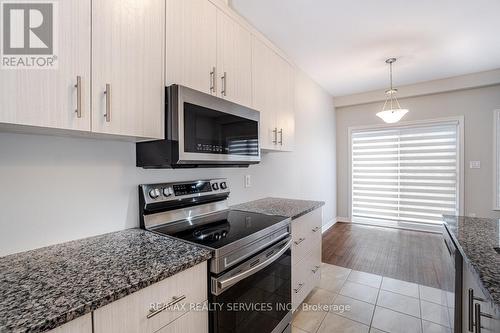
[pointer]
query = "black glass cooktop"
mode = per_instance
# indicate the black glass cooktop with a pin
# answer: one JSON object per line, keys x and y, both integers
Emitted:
{"x": 220, "y": 229}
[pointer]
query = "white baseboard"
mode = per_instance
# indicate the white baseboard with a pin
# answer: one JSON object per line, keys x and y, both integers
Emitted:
{"x": 343, "y": 219}
{"x": 332, "y": 223}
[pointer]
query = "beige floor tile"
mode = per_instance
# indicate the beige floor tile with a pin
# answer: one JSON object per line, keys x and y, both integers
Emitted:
{"x": 320, "y": 296}
{"x": 335, "y": 272}
{"x": 353, "y": 309}
{"x": 368, "y": 279}
{"x": 395, "y": 322}
{"x": 400, "y": 287}
{"x": 429, "y": 327}
{"x": 298, "y": 330}
{"x": 359, "y": 291}
{"x": 331, "y": 283}
{"x": 335, "y": 324}
{"x": 400, "y": 303}
{"x": 435, "y": 313}
{"x": 308, "y": 321}
{"x": 433, "y": 295}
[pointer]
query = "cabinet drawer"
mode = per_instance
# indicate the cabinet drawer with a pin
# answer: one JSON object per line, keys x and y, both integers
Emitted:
{"x": 130, "y": 314}
{"x": 306, "y": 234}
{"x": 305, "y": 276}
{"x": 191, "y": 322}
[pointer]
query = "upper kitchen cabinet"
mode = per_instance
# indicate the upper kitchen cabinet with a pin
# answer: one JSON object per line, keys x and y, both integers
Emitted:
{"x": 234, "y": 60}
{"x": 191, "y": 43}
{"x": 273, "y": 96}
{"x": 53, "y": 97}
{"x": 127, "y": 67}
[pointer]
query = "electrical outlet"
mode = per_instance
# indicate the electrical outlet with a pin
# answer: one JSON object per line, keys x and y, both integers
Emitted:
{"x": 248, "y": 181}
{"x": 475, "y": 164}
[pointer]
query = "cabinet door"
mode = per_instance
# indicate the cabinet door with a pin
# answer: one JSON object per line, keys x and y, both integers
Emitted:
{"x": 48, "y": 97}
{"x": 234, "y": 60}
{"x": 128, "y": 56}
{"x": 286, "y": 111}
{"x": 263, "y": 92}
{"x": 79, "y": 325}
{"x": 191, "y": 322}
{"x": 191, "y": 44}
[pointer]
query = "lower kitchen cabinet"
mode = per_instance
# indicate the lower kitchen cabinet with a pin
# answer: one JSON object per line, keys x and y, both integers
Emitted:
{"x": 306, "y": 255}
{"x": 164, "y": 306}
{"x": 79, "y": 325}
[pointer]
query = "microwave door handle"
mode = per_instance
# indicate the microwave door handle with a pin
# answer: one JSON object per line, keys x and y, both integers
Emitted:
{"x": 224, "y": 284}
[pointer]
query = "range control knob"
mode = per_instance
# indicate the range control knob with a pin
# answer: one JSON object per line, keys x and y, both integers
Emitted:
{"x": 223, "y": 185}
{"x": 215, "y": 186}
{"x": 167, "y": 191}
{"x": 154, "y": 193}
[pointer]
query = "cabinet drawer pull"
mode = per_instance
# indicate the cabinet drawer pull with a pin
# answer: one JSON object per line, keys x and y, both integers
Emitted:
{"x": 224, "y": 84}
{"x": 471, "y": 300}
{"x": 299, "y": 287}
{"x": 78, "y": 87}
{"x": 316, "y": 268}
{"x": 153, "y": 312}
{"x": 315, "y": 229}
{"x": 212, "y": 80}
{"x": 300, "y": 240}
{"x": 281, "y": 136}
{"x": 478, "y": 315}
{"x": 275, "y": 131}
{"x": 107, "y": 92}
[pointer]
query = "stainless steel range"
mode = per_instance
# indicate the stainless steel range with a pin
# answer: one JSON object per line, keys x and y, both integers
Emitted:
{"x": 250, "y": 271}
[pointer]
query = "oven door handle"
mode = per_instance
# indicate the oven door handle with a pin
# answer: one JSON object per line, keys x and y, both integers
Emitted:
{"x": 226, "y": 283}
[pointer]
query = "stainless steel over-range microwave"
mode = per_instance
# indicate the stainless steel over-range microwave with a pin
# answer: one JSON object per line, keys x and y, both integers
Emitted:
{"x": 202, "y": 130}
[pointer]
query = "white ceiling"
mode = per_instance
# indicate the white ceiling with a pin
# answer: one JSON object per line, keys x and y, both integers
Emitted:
{"x": 343, "y": 44}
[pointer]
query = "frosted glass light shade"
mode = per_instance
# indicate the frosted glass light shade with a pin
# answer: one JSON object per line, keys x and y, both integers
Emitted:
{"x": 392, "y": 116}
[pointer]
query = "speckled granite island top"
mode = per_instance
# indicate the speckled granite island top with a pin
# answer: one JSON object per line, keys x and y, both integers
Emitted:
{"x": 477, "y": 238}
{"x": 280, "y": 206}
{"x": 45, "y": 288}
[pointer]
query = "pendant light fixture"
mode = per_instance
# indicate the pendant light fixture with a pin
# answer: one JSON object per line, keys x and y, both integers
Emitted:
{"x": 392, "y": 111}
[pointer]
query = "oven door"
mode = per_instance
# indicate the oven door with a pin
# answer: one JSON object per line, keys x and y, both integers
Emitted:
{"x": 254, "y": 297}
{"x": 212, "y": 130}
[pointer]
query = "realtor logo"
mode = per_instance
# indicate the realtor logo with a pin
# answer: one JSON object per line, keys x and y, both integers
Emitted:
{"x": 28, "y": 34}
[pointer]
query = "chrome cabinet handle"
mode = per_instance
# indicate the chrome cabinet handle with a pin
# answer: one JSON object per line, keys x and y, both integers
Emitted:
{"x": 224, "y": 84}
{"x": 316, "y": 268}
{"x": 299, "y": 287}
{"x": 78, "y": 87}
{"x": 275, "y": 131}
{"x": 478, "y": 315}
{"x": 175, "y": 300}
{"x": 471, "y": 300}
{"x": 281, "y": 136}
{"x": 315, "y": 229}
{"x": 107, "y": 92}
{"x": 213, "y": 80}
{"x": 300, "y": 240}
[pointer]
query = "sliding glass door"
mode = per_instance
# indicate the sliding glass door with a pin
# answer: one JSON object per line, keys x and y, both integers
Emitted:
{"x": 405, "y": 173}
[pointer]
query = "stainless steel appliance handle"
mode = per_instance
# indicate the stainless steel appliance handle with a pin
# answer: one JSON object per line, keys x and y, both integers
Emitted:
{"x": 175, "y": 300}
{"x": 107, "y": 92}
{"x": 243, "y": 275}
{"x": 275, "y": 131}
{"x": 281, "y": 136}
{"x": 78, "y": 87}
{"x": 224, "y": 84}
{"x": 212, "y": 80}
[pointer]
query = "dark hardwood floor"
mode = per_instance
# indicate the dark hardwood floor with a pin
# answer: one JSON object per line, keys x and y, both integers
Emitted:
{"x": 412, "y": 256}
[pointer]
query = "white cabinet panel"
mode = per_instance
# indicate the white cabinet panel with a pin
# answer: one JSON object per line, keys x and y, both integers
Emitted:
{"x": 48, "y": 97}
{"x": 234, "y": 60}
{"x": 128, "y": 55}
{"x": 191, "y": 39}
{"x": 192, "y": 322}
{"x": 79, "y": 325}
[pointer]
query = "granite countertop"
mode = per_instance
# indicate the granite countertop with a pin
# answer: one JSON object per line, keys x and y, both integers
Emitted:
{"x": 45, "y": 288}
{"x": 476, "y": 239}
{"x": 280, "y": 206}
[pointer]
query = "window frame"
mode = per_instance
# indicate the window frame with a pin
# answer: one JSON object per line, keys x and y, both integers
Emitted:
{"x": 417, "y": 123}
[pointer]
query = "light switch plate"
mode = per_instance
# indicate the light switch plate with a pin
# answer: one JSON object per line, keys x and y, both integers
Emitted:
{"x": 475, "y": 164}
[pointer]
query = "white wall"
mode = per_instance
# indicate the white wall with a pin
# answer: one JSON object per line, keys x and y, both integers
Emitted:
{"x": 476, "y": 105}
{"x": 54, "y": 189}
